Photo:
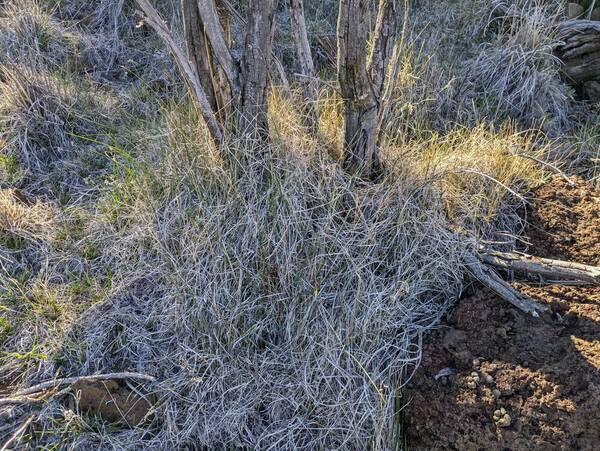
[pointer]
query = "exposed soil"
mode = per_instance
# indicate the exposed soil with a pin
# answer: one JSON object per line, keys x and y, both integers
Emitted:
{"x": 544, "y": 373}
{"x": 112, "y": 402}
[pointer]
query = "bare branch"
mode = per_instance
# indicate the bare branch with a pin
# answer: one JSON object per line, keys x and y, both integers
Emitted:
{"x": 546, "y": 267}
{"x": 70, "y": 380}
{"x": 490, "y": 279}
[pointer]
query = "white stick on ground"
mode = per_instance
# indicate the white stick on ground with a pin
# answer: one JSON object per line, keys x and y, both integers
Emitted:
{"x": 70, "y": 380}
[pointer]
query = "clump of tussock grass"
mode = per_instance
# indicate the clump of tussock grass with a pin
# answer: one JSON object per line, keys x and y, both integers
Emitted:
{"x": 518, "y": 73}
{"x": 279, "y": 308}
{"x": 129, "y": 53}
{"x": 42, "y": 118}
{"x": 479, "y": 173}
{"x": 466, "y": 63}
{"x": 30, "y": 34}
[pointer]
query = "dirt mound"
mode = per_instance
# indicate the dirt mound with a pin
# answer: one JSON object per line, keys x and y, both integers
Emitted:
{"x": 545, "y": 375}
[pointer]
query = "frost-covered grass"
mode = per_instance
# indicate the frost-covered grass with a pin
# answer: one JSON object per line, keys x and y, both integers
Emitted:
{"x": 280, "y": 307}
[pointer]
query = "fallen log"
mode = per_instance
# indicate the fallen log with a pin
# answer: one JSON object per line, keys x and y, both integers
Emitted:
{"x": 488, "y": 277}
{"x": 558, "y": 270}
{"x": 580, "y": 55}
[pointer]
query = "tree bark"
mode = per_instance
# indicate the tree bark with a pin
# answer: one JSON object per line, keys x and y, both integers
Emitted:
{"x": 216, "y": 36}
{"x": 306, "y": 67}
{"x": 363, "y": 80}
{"x": 253, "y": 117}
{"x": 361, "y": 156}
{"x": 383, "y": 45}
{"x": 490, "y": 279}
{"x": 580, "y": 55}
{"x": 197, "y": 48}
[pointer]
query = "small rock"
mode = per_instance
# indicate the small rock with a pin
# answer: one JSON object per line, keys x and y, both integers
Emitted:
{"x": 595, "y": 14}
{"x": 496, "y": 393}
{"x": 574, "y": 10}
{"x": 505, "y": 421}
{"x": 474, "y": 374}
{"x": 443, "y": 373}
{"x": 472, "y": 385}
{"x": 489, "y": 379}
{"x": 501, "y": 332}
{"x": 476, "y": 363}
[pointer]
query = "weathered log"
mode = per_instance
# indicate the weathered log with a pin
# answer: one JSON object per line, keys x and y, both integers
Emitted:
{"x": 580, "y": 54}
{"x": 490, "y": 279}
{"x": 558, "y": 270}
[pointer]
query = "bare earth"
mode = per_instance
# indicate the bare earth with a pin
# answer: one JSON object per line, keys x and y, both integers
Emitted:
{"x": 545, "y": 374}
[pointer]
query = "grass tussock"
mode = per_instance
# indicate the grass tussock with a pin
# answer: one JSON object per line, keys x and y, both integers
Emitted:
{"x": 271, "y": 305}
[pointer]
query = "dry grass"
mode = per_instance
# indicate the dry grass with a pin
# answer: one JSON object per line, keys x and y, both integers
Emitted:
{"x": 281, "y": 308}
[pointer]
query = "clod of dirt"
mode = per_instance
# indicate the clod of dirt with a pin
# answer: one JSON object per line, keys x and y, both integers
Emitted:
{"x": 112, "y": 402}
{"x": 502, "y": 419}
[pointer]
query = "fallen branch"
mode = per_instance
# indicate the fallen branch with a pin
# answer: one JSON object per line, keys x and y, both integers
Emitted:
{"x": 545, "y": 267}
{"x": 18, "y": 400}
{"x": 490, "y": 279}
{"x": 19, "y": 396}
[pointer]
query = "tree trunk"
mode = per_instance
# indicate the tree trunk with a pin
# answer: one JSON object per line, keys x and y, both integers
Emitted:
{"x": 361, "y": 155}
{"x": 216, "y": 37}
{"x": 187, "y": 69}
{"x": 253, "y": 118}
{"x": 383, "y": 46}
{"x": 197, "y": 48}
{"x": 306, "y": 66}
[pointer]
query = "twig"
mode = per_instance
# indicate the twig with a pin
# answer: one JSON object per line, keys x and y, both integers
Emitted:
{"x": 70, "y": 380}
{"x": 17, "y": 435}
{"x": 545, "y": 163}
{"x": 18, "y": 400}
{"x": 591, "y": 9}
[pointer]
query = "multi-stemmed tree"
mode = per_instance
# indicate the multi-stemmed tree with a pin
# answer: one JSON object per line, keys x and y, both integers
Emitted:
{"x": 232, "y": 93}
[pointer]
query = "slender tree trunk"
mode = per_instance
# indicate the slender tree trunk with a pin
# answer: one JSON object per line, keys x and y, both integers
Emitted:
{"x": 216, "y": 76}
{"x": 383, "y": 45}
{"x": 363, "y": 80}
{"x": 306, "y": 67}
{"x": 197, "y": 48}
{"x": 361, "y": 155}
{"x": 253, "y": 118}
